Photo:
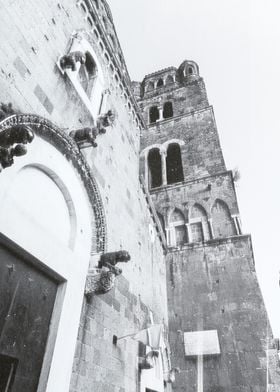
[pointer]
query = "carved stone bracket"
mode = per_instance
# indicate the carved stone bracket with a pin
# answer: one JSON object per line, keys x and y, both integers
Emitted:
{"x": 12, "y": 139}
{"x": 101, "y": 279}
{"x": 89, "y": 134}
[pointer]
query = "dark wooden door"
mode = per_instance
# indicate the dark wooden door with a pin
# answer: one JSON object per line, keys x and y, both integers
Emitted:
{"x": 27, "y": 298}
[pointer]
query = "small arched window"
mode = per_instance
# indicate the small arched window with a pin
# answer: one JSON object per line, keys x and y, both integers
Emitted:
{"x": 160, "y": 83}
{"x": 169, "y": 80}
{"x": 174, "y": 168}
{"x": 177, "y": 222}
{"x": 153, "y": 114}
{"x": 167, "y": 110}
{"x": 190, "y": 70}
{"x": 88, "y": 74}
{"x": 155, "y": 168}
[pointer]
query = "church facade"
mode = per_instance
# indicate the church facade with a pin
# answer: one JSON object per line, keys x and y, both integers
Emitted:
{"x": 123, "y": 266}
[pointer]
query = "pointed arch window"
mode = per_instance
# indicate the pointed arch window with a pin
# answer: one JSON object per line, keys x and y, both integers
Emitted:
{"x": 174, "y": 168}
{"x": 178, "y": 235}
{"x": 153, "y": 114}
{"x": 167, "y": 110}
{"x": 155, "y": 168}
{"x": 223, "y": 224}
{"x": 199, "y": 229}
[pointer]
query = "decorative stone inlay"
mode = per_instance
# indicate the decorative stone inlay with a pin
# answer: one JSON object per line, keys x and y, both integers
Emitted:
{"x": 64, "y": 143}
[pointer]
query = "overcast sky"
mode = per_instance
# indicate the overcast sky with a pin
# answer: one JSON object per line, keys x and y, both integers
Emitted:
{"x": 236, "y": 44}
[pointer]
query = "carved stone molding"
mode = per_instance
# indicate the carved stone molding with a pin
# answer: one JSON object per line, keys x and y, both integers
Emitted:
{"x": 67, "y": 146}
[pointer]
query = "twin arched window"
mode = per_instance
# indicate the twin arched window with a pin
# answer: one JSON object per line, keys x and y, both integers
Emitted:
{"x": 155, "y": 114}
{"x": 165, "y": 169}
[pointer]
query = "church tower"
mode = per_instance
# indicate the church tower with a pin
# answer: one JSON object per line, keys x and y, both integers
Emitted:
{"x": 219, "y": 334}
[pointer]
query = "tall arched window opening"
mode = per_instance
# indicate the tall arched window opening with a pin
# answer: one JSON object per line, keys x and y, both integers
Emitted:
{"x": 160, "y": 83}
{"x": 155, "y": 169}
{"x": 153, "y": 114}
{"x": 88, "y": 74}
{"x": 177, "y": 223}
{"x": 223, "y": 225}
{"x": 167, "y": 110}
{"x": 174, "y": 168}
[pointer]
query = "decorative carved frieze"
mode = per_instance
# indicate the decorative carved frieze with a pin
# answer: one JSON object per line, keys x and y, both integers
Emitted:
{"x": 101, "y": 279}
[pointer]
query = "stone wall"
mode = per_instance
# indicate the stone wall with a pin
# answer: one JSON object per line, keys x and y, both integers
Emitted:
{"x": 33, "y": 37}
{"x": 214, "y": 287}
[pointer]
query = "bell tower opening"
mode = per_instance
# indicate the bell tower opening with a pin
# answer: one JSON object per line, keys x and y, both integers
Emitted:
{"x": 155, "y": 169}
{"x": 174, "y": 168}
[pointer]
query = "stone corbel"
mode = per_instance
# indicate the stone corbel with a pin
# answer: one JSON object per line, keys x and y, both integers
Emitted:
{"x": 147, "y": 362}
{"x": 89, "y": 134}
{"x": 101, "y": 279}
{"x": 13, "y": 139}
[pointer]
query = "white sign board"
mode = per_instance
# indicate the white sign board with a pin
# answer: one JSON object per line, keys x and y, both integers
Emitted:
{"x": 201, "y": 343}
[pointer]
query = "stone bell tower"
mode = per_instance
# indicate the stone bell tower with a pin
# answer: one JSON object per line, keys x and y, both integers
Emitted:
{"x": 219, "y": 333}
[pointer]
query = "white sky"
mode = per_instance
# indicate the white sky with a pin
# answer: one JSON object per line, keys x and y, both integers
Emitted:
{"x": 236, "y": 45}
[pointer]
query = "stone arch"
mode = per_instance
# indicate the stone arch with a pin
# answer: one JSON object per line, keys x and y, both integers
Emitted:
{"x": 68, "y": 147}
{"x": 222, "y": 222}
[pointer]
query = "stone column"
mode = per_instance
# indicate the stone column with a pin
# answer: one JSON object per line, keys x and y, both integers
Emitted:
{"x": 210, "y": 225}
{"x": 189, "y": 231}
{"x": 160, "y": 113}
{"x": 163, "y": 167}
